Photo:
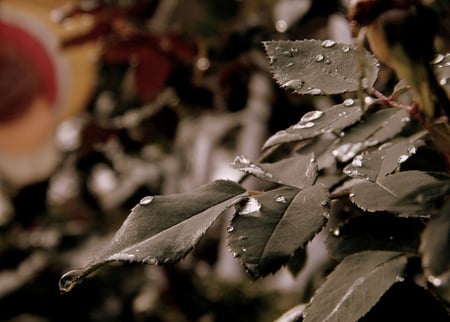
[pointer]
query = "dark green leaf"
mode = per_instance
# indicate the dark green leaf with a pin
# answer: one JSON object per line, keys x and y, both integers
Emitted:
{"x": 385, "y": 160}
{"x": 270, "y": 227}
{"x": 374, "y": 232}
{"x": 163, "y": 229}
{"x": 435, "y": 251}
{"x": 385, "y": 193}
{"x": 380, "y": 126}
{"x": 333, "y": 119}
{"x": 299, "y": 171}
{"x": 355, "y": 286}
{"x": 317, "y": 67}
{"x": 427, "y": 194}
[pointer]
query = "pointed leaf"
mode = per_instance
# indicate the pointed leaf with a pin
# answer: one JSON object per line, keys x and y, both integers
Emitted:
{"x": 385, "y": 160}
{"x": 273, "y": 225}
{"x": 299, "y": 171}
{"x": 355, "y": 286}
{"x": 385, "y": 194}
{"x": 435, "y": 251}
{"x": 333, "y": 119}
{"x": 380, "y": 126}
{"x": 163, "y": 229}
{"x": 317, "y": 67}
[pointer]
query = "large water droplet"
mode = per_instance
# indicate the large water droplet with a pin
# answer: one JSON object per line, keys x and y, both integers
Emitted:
{"x": 328, "y": 43}
{"x": 280, "y": 199}
{"x": 146, "y": 200}
{"x": 70, "y": 279}
{"x": 319, "y": 58}
{"x": 348, "y": 102}
{"x": 311, "y": 116}
{"x": 303, "y": 125}
{"x": 248, "y": 206}
{"x": 293, "y": 84}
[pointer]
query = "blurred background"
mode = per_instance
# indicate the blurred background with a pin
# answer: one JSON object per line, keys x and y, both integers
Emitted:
{"x": 106, "y": 101}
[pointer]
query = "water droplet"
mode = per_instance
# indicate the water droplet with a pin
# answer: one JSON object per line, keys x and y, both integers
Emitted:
{"x": 443, "y": 81}
{"x": 203, "y": 63}
{"x": 240, "y": 160}
{"x": 326, "y": 215}
{"x": 336, "y": 232}
{"x": 234, "y": 254}
{"x": 281, "y": 25}
{"x": 244, "y": 249}
{"x": 311, "y": 116}
{"x": 291, "y": 52}
{"x": 290, "y": 65}
{"x": 280, "y": 199}
{"x": 351, "y": 195}
{"x": 402, "y": 158}
{"x": 412, "y": 150}
{"x": 324, "y": 203}
{"x": 146, "y": 200}
{"x": 435, "y": 281}
{"x": 348, "y": 102}
{"x": 293, "y": 84}
{"x": 357, "y": 161}
{"x": 314, "y": 91}
{"x": 328, "y": 43}
{"x": 248, "y": 206}
{"x": 368, "y": 100}
{"x": 303, "y": 125}
{"x": 230, "y": 229}
{"x": 439, "y": 58}
{"x": 400, "y": 279}
{"x": 70, "y": 279}
{"x": 345, "y": 49}
{"x": 320, "y": 58}
{"x": 327, "y": 61}
{"x": 242, "y": 238}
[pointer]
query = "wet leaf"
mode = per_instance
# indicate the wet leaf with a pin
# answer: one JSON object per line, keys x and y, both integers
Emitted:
{"x": 317, "y": 67}
{"x": 385, "y": 160}
{"x": 435, "y": 252}
{"x": 333, "y": 119}
{"x": 375, "y": 232}
{"x": 427, "y": 194}
{"x": 386, "y": 192}
{"x": 380, "y": 126}
{"x": 355, "y": 286}
{"x": 285, "y": 220}
{"x": 299, "y": 171}
{"x": 163, "y": 229}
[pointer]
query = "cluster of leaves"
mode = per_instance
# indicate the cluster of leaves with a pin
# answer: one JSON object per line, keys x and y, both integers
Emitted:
{"x": 357, "y": 173}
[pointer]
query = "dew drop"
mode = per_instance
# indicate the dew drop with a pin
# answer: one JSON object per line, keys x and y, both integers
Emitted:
{"x": 412, "y": 150}
{"x": 146, "y": 200}
{"x": 281, "y": 25}
{"x": 443, "y": 81}
{"x": 336, "y": 232}
{"x": 345, "y": 49}
{"x": 368, "y": 100}
{"x": 290, "y": 64}
{"x": 400, "y": 279}
{"x": 303, "y": 125}
{"x": 351, "y": 195}
{"x": 311, "y": 116}
{"x": 280, "y": 199}
{"x": 240, "y": 160}
{"x": 293, "y": 84}
{"x": 152, "y": 261}
{"x": 357, "y": 161}
{"x": 319, "y": 58}
{"x": 248, "y": 206}
{"x": 230, "y": 229}
{"x": 244, "y": 249}
{"x": 327, "y": 61}
{"x": 70, "y": 279}
{"x": 435, "y": 281}
{"x": 324, "y": 203}
{"x": 235, "y": 255}
{"x": 314, "y": 91}
{"x": 348, "y": 102}
{"x": 439, "y": 58}
{"x": 328, "y": 43}
{"x": 326, "y": 215}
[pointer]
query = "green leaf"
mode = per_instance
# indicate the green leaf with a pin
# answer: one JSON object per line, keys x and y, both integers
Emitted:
{"x": 374, "y": 232}
{"x": 163, "y": 229}
{"x": 317, "y": 67}
{"x": 316, "y": 123}
{"x": 268, "y": 228}
{"x": 379, "y": 127}
{"x": 386, "y": 192}
{"x": 299, "y": 171}
{"x": 385, "y": 160}
{"x": 435, "y": 251}
{"x": 355, "y": 286}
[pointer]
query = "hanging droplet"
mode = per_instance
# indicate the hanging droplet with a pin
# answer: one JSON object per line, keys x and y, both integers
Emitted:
{"x": 303, "y": 125}
{"x": 70, "y": 279}
{"x": 248, "y": 206}
{"x": 439, "y": 58}
{"x": 280, "y": 199}
{"x": 319, "y": 58}
{"x": 293, "y": 84}
{"x": 311, "y": 116}
{"x": 328, "y": 43}
{"x": 146, "y": 200}
{"x": 348, "y": 102}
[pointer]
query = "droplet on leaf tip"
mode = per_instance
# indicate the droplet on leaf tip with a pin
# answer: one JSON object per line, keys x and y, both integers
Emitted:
{"x": 146, "y": 200}
{"x": 70, "y": 279}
